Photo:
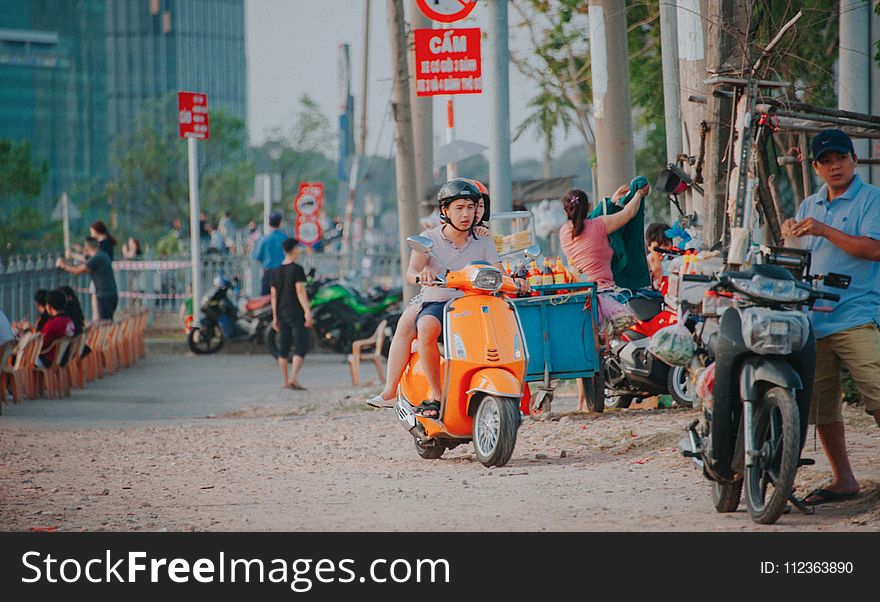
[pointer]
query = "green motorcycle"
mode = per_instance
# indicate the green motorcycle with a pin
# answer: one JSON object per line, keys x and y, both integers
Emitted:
{"x": 342, "y": 314}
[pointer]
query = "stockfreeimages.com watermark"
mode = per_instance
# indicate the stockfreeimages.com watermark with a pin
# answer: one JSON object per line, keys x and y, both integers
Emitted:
{"x": 300, "y": 574}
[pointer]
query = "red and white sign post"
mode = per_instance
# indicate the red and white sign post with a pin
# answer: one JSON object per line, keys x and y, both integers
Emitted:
{"x": 307, "y": 204}
{"x": 192, "y": 119}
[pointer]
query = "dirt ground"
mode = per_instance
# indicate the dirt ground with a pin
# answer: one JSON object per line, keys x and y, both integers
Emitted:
{"x": 271, "y": 460}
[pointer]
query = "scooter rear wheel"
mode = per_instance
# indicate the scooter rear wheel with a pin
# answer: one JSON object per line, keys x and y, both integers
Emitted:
{"x": 429, "y": 452}
{"x": 495, "y": 425}
{"x": 680, "y": 386}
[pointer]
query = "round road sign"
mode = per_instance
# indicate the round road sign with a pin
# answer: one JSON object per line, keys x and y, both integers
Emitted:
{"x": 446, "y": 11}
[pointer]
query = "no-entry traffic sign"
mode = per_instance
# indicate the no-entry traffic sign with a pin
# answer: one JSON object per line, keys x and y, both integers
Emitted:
{"x": 448, "y": 61}
{"x": 446, "y": 11}
{"x": 307, "y": 204}
{"x": 192, "y": 115}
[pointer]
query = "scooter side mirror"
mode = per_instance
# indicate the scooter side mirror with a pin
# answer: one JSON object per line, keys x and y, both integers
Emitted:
{"x": 533, "y": 251}
{"x": 420, "y": 244}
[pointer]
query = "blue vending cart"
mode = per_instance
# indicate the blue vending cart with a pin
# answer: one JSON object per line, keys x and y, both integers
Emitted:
{"x": 560, "y": 328}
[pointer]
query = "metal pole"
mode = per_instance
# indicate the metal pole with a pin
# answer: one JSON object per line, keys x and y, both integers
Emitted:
{"x": 65, "y": 220}
{"x": 403, "y": 139}
{"x": 267, "y": 201}
{"x": 671, "y": 97}
{"x": 609, "y": 55}
{"x": 854, "y": 93}
{"x": 194, "y": 243}
{"x": 423, "y": 118}
{"x": 500, "y": 183}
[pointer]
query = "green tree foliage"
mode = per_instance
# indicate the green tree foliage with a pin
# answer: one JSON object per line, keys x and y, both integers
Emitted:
{"x": 21, "y": 179}
{"x": 302, "y": 152}
{"x": 151, "y": 188}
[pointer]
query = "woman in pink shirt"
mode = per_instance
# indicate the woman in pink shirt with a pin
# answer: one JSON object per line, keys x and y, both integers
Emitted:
{"x": 585, "y": 243}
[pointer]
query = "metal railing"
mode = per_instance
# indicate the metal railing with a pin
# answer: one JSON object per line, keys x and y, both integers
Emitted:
{"x": 163, "y": 284}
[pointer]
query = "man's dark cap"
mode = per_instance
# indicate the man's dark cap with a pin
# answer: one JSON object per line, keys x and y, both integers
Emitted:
{"x": 275, "y": 219}
{"x": 831, "y": 140}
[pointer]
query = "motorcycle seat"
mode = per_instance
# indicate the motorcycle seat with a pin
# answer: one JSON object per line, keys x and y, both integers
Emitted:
{"x": 646, "y": 308}
{"x": 257, "y": 303}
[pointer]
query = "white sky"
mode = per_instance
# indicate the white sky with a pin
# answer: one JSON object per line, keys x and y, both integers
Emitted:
{"x": 292, "y": 49}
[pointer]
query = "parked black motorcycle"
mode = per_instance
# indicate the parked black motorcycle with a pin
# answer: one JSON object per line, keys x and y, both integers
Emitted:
{"x": 224, "y": 319}
{"x": 755, "y": 422}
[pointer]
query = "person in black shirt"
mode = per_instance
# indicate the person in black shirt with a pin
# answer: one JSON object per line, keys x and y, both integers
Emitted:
{"x": 291, "y": 314}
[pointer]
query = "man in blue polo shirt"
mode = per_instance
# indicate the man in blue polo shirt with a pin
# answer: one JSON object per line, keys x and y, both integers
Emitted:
{"x": 269, "y": 250}
{"x": 840, "y": 225}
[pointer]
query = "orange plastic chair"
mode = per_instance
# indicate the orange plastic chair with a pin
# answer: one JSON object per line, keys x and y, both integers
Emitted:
{"x": 6, "y": 350}
{"x": 19, "y": 375}
{"x": 48, "y": 378}
{"x": 71, "y": 365}
{"x": 358, "y": 349}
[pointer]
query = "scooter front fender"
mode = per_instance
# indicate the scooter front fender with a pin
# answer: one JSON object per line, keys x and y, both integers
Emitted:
{"x": 493, "y": 381}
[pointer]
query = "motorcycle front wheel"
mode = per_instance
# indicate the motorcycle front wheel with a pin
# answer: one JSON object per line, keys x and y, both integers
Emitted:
{"x": 205, "y": 340}
{"x": 776, "y": 438}
{"x": 495, "y": 426}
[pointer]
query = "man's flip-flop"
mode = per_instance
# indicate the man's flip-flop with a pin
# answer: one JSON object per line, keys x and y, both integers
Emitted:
{"x": 824, "y": 496}
{"x": 377, "y": 401}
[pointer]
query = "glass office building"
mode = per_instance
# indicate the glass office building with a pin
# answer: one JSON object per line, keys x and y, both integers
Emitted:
{"x": 53, "y": 86}
{"x": 75, "y": 73}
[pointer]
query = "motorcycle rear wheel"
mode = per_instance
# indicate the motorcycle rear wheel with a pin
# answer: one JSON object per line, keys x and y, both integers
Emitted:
{"x": 776, "y": 437}
{"x": 205, "y": 340}
{"x": 680, "y": 387}
{"x": 726, "y": 496}
{"x": 495, "y": 425}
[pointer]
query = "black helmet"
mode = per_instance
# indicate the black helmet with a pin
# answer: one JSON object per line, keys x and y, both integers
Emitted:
{"x": 458, "y": 188}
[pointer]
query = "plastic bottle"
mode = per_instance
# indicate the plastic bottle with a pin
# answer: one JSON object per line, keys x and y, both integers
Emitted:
{"x": 534, "y": 276}
{"x": 559, "y": 276}
{"x": 507, "y": 269}
{"x": 547, "y": 273}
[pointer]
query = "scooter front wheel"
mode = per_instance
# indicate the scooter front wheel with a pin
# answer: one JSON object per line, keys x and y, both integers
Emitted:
{"x": 769, "y": 481}
{"x": 726, "y": 496}
{"x": 205, "y": 340}
{"x": 495, "y": 425}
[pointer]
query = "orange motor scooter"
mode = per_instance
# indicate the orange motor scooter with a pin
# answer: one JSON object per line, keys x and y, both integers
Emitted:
{"x": 483, "y": 359}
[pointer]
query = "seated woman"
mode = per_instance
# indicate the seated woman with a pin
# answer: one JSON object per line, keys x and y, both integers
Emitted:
{"x": 406, "y": 333}
{"x": 585, "y": 242}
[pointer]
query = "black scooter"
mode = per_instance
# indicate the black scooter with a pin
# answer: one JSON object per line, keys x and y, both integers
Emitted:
{"x": 755, "y": 424}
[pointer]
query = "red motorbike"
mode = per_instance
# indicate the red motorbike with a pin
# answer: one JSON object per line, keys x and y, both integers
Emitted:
{"x": 631, "y": 370}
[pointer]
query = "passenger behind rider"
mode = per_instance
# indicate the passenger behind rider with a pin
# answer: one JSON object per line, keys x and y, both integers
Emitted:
{"x": 458, "y": 241}
{"x": 655, "y": 236}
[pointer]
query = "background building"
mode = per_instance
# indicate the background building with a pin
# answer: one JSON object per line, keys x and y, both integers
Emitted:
{"x": 75, "y": 73}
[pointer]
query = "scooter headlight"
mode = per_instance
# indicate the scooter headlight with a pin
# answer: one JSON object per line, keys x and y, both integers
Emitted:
{"x": 784, "y": 291}
{"x": 487, "y": 279}
{"x": 772, "y": 332}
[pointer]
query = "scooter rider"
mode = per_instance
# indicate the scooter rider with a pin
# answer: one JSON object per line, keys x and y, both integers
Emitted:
{"x": 453, "y": 245}
{"x": 405, "y": 333}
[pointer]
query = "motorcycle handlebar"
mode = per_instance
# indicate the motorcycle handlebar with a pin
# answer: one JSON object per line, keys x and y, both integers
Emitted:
{"x": 826, "y": 296}
{"x": 696, "y": 278}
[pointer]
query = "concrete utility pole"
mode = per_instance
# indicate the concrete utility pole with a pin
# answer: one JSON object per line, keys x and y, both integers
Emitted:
{"x": 362, "y": 126}
{"x": 612, "y": 108}
{"x": 854, "y": 91}
{"x": 691, "y": 73}
{"x": 726, "y": 55}
{"x": 423, "y": 118}
{"x": 875, "y": 94}
{"x": 407, "y": 210}
{"x": 498, "y": 91}
{"x": 671, "y": 96}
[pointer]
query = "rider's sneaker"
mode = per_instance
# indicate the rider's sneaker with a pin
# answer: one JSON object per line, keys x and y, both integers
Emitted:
{"x": 377, "y": 401}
